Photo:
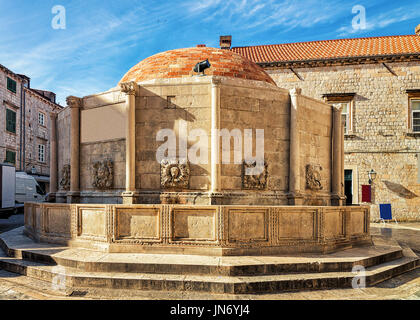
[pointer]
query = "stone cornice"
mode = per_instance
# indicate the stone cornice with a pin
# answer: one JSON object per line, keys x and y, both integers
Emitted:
{"x": 340, "y": 61}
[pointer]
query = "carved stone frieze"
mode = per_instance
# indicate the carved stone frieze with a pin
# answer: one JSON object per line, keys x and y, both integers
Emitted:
{"x": 313, "y": 177}
{"x": 103, "y": 175}
{"x": 254, "y": 182}
{"x": 174, "y": 174}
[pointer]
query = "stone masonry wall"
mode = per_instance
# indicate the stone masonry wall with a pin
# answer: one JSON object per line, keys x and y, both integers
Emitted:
{"x": 257, "y": 108}
{"x": 9, "y": 100}
{"x": 164, "y": 107}
{"x": 315, "y": 130}
{"x": 100, "y": 151}
{"x": 380, "y": 125}
{"x": 36, "y": 133}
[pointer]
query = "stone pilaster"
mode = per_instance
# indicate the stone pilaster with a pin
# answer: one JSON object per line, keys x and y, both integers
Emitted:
{"x": 294, "y": 196}
{"x": 130, "y": 89}
{"x": 75, "y": 104}
{"x": 53, "y": 156}
{"x": 337, "y": 157}
{"x": 342, "y": 162}
{"x": 215, "y": 126}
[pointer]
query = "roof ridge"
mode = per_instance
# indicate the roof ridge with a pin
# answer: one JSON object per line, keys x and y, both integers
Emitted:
{"x": 329, "y": 40}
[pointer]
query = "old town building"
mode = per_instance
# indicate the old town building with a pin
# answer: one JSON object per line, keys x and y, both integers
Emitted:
{"x": 25, "y": 143}
{"x": 377, "y": 81}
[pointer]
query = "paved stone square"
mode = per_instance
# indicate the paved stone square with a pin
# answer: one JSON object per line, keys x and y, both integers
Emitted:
{"x": 405, "y": 286}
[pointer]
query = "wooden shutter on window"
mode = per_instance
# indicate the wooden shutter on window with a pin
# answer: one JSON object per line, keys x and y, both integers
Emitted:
{"x": 10, "y": 120}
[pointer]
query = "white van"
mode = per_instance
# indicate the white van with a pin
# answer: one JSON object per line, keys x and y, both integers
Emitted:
{"x": 7, "y": 191}
{"x": 28, "y": 189}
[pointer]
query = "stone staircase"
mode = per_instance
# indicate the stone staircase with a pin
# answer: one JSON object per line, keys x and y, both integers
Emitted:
{"x": 77, "y": 269}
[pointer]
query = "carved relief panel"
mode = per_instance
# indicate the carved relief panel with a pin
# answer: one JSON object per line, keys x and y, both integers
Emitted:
{"x": 65, "y": 180}
{"x": 313, "y": 177}
{"x": 174, "y": 174}
{"x": 254, "y": 182}
{"x": 103, "y": 175}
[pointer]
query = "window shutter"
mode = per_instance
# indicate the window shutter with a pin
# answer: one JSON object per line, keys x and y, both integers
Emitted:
{"x": 10, "y": 121}
{"x": 10, "y": 157}
{"x": 11, "y": 85}
{"x": 416, "y": 121}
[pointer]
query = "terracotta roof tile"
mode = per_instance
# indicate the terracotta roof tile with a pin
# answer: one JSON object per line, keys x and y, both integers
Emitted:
{"x": 327, "y": 49}
{"x": 180, "y": 63}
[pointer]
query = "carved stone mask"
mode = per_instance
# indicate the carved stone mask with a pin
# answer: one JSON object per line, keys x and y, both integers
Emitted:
{"x": 174, "y": 172}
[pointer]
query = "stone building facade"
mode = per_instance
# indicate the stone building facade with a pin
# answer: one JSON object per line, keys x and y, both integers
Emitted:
{"x": 377, "y": 81}
{"x": 26, "y": 144}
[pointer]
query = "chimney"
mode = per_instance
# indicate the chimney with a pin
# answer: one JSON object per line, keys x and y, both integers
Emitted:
{"x": 225, "y": 42}
{"x": 417, "y": 30}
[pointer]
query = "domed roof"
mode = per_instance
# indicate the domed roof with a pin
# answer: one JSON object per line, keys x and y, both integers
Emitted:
{"x": 179, "y": 63}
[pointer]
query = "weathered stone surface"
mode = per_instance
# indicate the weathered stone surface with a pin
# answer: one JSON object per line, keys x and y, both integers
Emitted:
{"x": 256, "y": 182}
{"x": 103, "y": 174}
{"x": 74, "y": 268}
{"x": 30, "y": 108}
{"x": 178, "y": 228}
{"x": 174, "y": 175}
{"x": 379, "y": 136}
{"x": 65, "y": 177}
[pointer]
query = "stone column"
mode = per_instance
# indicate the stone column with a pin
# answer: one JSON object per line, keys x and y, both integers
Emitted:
{"x": 342, "y": 162}
{"x": 53, "y": 156}
{"x": 74, "y": 103}
{"x": 215, "y": 126}
{"x": 294, "y": 196}
{"x": 130, "y": 89}
{"x": 337, "y": 156}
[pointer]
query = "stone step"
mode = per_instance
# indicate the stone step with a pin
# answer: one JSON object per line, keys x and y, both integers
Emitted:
{"x": 74, "y": 278}
{"x": 18, "y": 246}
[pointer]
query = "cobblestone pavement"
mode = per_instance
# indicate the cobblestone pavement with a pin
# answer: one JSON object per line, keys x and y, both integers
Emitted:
{"x": 405, "y": 286}
{"x": 405, "y": 233}
{"x": 12, "y": 222}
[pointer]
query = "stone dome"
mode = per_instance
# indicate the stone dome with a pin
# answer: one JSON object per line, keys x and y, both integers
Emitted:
{"x": 179, "y": 63}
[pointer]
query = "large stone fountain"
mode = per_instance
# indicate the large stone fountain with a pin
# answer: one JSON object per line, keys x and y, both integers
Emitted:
{"x": 220, "y": 182}
{"x": 113, "y": 192}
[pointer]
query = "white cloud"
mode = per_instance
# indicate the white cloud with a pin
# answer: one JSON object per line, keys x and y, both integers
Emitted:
{"x": 258, "y": 16}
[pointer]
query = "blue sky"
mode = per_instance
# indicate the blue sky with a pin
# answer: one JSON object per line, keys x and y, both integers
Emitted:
{"x": 104, "y": 39}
